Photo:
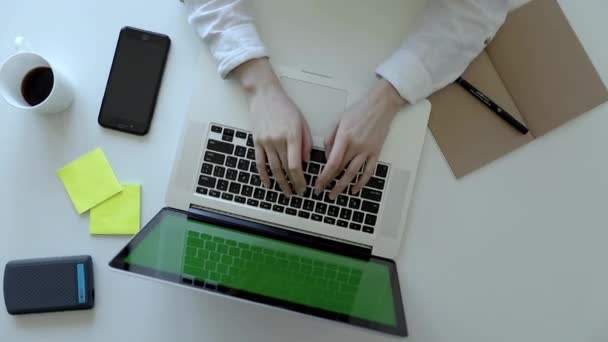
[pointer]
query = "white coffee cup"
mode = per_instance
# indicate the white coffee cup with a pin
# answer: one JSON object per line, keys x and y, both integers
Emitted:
{"x": 17, "y": 67}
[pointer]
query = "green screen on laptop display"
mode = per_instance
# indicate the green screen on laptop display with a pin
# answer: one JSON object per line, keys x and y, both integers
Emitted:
{"x": 268, "y": 270}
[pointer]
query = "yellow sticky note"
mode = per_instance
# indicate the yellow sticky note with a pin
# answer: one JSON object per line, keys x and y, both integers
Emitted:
{"x": 118, "y": 215}
{"x": 89, "y": 180}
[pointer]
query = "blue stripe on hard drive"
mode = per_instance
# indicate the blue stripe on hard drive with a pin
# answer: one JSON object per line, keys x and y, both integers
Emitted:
{"x": 81, "y": 284}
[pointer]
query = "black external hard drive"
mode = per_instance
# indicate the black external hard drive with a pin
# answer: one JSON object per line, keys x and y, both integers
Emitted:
{"x": 50, "y": 284}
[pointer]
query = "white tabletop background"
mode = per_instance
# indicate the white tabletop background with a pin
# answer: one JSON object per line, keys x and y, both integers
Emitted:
{"x": 514, "y": 252}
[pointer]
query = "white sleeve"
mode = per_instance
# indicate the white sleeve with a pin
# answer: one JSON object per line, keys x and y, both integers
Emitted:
{"x": 449, "y": 35}
{"x": 227, "y": 27}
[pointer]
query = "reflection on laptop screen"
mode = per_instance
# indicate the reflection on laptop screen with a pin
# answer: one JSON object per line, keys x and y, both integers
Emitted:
{"x": 267, "y": 270}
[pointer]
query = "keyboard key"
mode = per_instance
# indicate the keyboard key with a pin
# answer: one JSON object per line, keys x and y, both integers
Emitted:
{"x": 296, "y": 202}
{"x": 309, "y": 205}
{"x": 345, "y": 214}
{"x": 308, "y": 192}
{"x": 219, "y": 171}
{"x": 371, "y": 194}
{"x": 333, "y": 211}
{"x": 277, "y": 187}
{"x": 370, "y": 219}
{"x": 202, "y": 191}
{"x": 381, "y": 170}
{"x": 283, "y": 200}
{"x": 243, "y": 177}
{"x": 358, "y": 216}
{"x": 250, "y": 140}
{"x": 354, "y": 203}
{"x": 321, "y": 208}
{"x": 220, "y": 146}
{"x": 206, "y": 169}
{"x": 235, "y": 188}
{"x": 326, "y": 199}
{"x": 252, "y": 202}
{"x": 376, "y": 183}
{"x": 318, "y": 156}
{"x": 329, "y": 220}
{"x": 342, "y": 200}
{"x": 229, "y": 131}
{"x": 255, "y": 180}
{"x": 253, "y": 168}
{"x": 222, "y": 185}
{"x": 316, "y": 217}
{"x": 226, "y": 196}
{"x": 278, "y": 208}
{"x": 342, "y": 224}
{"x": 314, "y": 168}
{"x": 241, "y": 135}
{"x": 240, "y": 151}
{"x": 227, "y": 138}
{"x": 216, "y": 129}
{"x": 291, "y": 211}
{"x": 259, "y": 193}
{"x": 215, "y": 158}
{"x": 303, "y": 214}
{"x": 231, "y": 161}
{"x": 251, "y": 154}
{"x": 368, "y": 229}
{"x": 247, "y": 191}
{"x": 355, "y": 226}
{"x": 308, "y": 178}
{"x": 265, "y": 205}
{"x": 271, "y": 196}
{"x": 370, "y": 207}
{"x": 231, "y": 174}
{"x": 243, "y": 165}
{"x": 240, "y": 199}
{"x": 206, "y": 181}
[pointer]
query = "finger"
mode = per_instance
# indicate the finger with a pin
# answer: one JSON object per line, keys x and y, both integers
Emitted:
{"x": 367, "y": 174}
{"x": 350, "y": 173}
{"x": 333, "y": 166}
{"x": 329, "y": 142}
{"x": 294, "y": 166}
{"x": 283, "y": 168}
{"x": 260, "y": 160}
{"x": 306, "y": 143}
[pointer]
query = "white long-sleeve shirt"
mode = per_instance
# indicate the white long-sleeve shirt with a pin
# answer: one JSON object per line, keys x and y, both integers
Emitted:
{"x": 447, "y": 37}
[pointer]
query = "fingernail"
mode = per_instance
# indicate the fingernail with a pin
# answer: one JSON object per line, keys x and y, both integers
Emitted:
{"x": 356, "y": 191}
{"x": 317, "y": 191}
{"x": 332, "y": 197}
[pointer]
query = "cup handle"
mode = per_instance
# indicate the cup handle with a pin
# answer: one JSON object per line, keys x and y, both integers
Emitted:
{"x": 21, "y": 44}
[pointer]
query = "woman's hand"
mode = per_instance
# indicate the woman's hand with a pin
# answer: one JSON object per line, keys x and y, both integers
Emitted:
{"x": 281, "y": 134}
{"x": 358, "y": 137}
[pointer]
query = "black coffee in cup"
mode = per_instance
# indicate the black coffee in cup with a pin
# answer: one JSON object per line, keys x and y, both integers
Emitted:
{"x": 37, "y": 85}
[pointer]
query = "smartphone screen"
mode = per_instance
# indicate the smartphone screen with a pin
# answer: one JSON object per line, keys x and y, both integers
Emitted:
{"x": 134, "y": 81}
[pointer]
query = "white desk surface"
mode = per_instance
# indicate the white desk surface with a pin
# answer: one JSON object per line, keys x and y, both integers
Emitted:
{"x": 514, "y": 252}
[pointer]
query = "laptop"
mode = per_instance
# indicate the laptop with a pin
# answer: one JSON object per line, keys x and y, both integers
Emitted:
{"x": 223, "y": 232}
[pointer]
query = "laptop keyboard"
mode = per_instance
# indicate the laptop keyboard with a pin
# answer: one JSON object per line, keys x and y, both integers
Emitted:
{"x": 213, "y": 259}
{"x": 229, "y": 172}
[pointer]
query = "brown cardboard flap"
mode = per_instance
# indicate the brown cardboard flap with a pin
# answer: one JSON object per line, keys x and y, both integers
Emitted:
{"x": 536, "y": 69}
{"x": 545, "y": 67}
{"x": 469, "y": 134}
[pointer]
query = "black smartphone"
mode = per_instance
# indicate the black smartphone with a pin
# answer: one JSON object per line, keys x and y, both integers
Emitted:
{"x": 135, "y": 77}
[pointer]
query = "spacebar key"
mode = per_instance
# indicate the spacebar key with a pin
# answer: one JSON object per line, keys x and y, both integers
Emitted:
{"x": 220, "y": 146}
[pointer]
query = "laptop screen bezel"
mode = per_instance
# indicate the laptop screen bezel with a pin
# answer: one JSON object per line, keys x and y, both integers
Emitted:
{"x": 119, "y": 263}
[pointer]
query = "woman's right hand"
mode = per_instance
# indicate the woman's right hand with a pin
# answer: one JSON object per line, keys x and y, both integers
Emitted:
{"x": 281, "y": 135}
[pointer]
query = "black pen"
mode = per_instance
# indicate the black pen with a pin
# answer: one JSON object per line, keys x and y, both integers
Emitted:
{"x": 493, "y": 106}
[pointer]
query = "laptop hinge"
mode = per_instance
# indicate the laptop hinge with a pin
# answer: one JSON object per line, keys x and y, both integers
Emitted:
{"x": 273, "y": 231}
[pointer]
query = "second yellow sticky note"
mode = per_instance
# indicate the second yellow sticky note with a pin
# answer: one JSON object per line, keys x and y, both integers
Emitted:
{"x": 119, "y": 215}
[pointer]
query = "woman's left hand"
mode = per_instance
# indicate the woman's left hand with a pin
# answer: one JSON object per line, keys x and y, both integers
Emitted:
{"x": 358, "y": 138}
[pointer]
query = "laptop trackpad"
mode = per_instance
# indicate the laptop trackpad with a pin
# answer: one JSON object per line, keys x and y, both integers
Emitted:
{"x": 319, "y": 104}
